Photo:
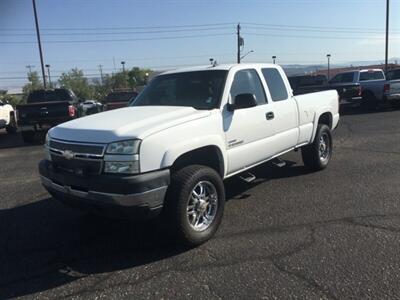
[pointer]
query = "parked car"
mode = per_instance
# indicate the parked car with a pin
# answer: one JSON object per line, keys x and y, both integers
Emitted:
{"x": 190, "y": 129}
{"x": 7, "y": 117}
{"x": 118, "y": 99}
{"x": 45, "y": 109}
{"x": 371, "y": 86}
{"x": 392, "y": 87}
{"x": 349, "y": 92}
{"x": 90, "y": 107}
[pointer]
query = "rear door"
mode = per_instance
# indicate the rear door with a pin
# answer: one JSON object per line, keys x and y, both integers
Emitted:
{"x": 248, "y": 130}
{"x": 284, "y": 109}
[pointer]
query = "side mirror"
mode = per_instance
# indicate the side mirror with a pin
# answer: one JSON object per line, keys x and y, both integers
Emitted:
{"x": 243, "y": 101}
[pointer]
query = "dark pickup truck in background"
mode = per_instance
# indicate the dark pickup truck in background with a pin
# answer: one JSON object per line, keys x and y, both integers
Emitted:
{"x": 358, "y": 87}
{"x": 118, "y": 99}
{"x": 45, "y": 109}
{"x": 348, "y": 91}
{"x": 392, "y": 87}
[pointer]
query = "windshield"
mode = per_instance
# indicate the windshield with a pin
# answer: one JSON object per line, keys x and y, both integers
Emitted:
{"x": 50, "y": 95}
{"x": 120, "y": 96}
{"x": 200, "y": 90}
{"x": 371, "y": 75}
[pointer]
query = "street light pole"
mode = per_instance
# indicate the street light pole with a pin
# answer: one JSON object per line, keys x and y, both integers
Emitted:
{"x": 39, "y": 43}
{"x": 387, "y": 36}
{"x": 329, "y": 65}
{"x": 274, "y": 59}
{"x": 48, "y": 73}
{"x": 123, "y": 71}
{"x": 238, "y": 42}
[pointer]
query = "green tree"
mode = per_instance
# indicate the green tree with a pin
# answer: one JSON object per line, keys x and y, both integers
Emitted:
{"x": 33, "y": 84}
{"x": 137, "y": 76}
{"x": 76, "y": 81}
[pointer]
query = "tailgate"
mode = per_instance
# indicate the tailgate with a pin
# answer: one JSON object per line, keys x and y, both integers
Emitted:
{"x": 43, "y": 112}
{"x": 348, "y": 91}
{"x": 394, "y": 87}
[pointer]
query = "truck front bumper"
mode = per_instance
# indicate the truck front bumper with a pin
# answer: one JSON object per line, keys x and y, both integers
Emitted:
{"x": 128, "y": 197}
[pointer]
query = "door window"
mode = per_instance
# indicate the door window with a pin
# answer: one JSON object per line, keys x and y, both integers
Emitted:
{"x": 247, "y": 81}
{"x": 275, "y": 84}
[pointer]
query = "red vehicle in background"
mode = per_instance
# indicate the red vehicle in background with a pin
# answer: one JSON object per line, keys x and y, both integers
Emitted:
{"x": 119, "y": 98}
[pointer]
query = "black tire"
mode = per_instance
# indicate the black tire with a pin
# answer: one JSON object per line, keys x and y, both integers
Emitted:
{"x": 178, "y": 200}
{"x": 370, "y": 102}
{"x": 28, "y": 136}
{"x": 313, "y": 156}
{"x": 12, "y": 127}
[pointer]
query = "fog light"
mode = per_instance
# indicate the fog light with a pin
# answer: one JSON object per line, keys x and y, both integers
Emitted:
{"x": 121, "y": 167}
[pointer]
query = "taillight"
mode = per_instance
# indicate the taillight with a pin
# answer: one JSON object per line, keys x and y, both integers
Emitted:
{"x": 71, "y": 111}
{"x": 386, "y": 88}
{"x": 359, "y": 91}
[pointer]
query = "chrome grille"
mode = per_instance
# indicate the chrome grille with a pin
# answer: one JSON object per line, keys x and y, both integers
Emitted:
{"x": 78, "y": 158}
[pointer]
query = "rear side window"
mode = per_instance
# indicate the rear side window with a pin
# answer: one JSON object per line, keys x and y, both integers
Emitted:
{"x": 247, "y": 81}
{"x": 347, "y": 78}
{"x": 275, "y": 84}
{"x": 374, "y": 75}
{"x": 393, "y": 75}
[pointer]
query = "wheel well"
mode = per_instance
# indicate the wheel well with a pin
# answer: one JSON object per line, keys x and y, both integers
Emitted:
{"x": 209, "y": 156}
{"x": 326, "y": 118}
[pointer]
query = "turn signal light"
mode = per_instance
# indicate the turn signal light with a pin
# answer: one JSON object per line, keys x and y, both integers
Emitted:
{"x": 72, "y": 111}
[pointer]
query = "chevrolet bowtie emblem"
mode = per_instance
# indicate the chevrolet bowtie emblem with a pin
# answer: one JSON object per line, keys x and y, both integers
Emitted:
{"x": 68, "y": 154}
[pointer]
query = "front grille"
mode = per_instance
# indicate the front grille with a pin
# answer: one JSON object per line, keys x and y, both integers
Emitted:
{"x": 82, "y": 159}
{"x": 92, "y": 149}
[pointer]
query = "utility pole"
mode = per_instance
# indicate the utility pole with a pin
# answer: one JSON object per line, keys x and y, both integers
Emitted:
{"x": 273, "y": 59}
{"x": 48, "y": 73}
{"x": 101, "y": 73}
{"x": 123, "y": 71}
{"x": 29, "y": 67}
{"x": 239, "y": 42}
{"x": 329, "y": 65}
{"x": 39, "y": 43}
{"x": 387, "y": 36}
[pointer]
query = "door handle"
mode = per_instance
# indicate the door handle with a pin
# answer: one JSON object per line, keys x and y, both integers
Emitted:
{"x": 269, "y": 115}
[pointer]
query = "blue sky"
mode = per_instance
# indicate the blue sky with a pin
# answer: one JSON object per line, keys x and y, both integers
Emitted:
{"x": 296, "y": 31}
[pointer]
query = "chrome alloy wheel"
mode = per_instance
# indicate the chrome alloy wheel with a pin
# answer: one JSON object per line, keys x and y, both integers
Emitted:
{"x": 324, "y": 147}
{"x": 202, "y": 205}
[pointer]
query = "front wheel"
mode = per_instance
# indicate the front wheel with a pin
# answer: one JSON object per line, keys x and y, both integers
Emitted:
{"x": 28, "y": 136}
{"x": 12, "y": 127}
{"x": 317, "y": 155}
{"x": 195, "y": 204}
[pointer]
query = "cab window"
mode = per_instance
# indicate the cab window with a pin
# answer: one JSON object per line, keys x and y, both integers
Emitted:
{"x": 247, "y": 81}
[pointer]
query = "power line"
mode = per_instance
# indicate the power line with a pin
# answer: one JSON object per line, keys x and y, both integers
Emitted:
{"x": 119, "y": 28}
{"x": 120, "y": 40}
{"x": 118, "y": 32}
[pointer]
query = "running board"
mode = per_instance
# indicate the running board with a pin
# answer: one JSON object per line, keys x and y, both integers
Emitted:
{"x": 247, "y": 177}
{"x": 278, "y": 162}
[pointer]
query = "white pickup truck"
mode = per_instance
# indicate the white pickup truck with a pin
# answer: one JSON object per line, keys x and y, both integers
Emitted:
{"x": 169, "y": 152}
{"x": 7, "y": 117}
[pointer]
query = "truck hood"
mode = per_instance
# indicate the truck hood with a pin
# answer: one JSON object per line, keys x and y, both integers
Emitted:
{"x": 125, "y": 123}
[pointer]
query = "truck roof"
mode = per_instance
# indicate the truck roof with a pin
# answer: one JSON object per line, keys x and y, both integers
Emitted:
{"x": 225, "y": 67}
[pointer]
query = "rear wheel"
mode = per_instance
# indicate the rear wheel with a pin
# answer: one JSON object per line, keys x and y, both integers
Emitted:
{"x": 317, "y": 155}
{"x": 370, "y": 102}
{"x": 28, "y": 136}
{"x": 12, "y": 127}
{"x": 195, "y": 204}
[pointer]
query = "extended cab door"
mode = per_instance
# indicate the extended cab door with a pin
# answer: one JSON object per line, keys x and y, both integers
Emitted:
{"x": 284, "y": 108}
{"x": 247, "y": 130}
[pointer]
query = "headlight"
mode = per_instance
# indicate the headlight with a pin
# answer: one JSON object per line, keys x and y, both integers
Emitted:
{"x": 122, "y": 167}
{"x": 47, "y": 141}
{"x": 124, "y": 147}
{"x": 47, "y": 147}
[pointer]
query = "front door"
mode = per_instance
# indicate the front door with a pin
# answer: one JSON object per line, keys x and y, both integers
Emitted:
{"x": 248, "y": 130}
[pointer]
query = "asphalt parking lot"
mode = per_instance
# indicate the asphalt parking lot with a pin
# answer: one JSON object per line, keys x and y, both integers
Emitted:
{"x": 290, "y": 234}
